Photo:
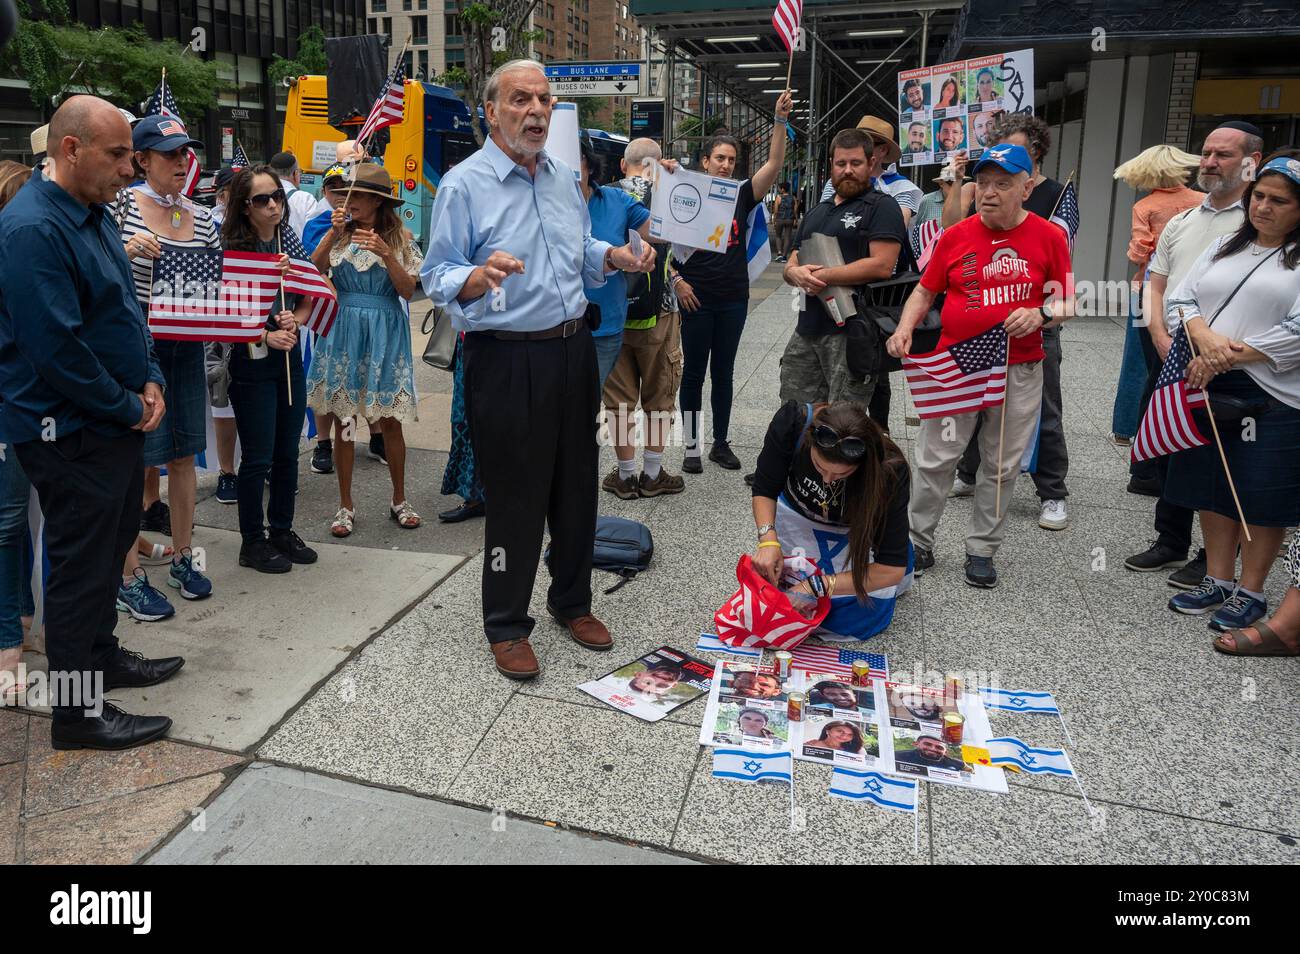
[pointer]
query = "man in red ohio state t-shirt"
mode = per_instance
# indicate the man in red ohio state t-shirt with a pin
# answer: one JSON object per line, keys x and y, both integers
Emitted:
{"x": 1002, "y": 266}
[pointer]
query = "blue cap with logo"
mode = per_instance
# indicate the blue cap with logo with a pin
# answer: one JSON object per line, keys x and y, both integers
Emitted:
{"x": 1007, "y": 156}
{"x": 162, "y": 134}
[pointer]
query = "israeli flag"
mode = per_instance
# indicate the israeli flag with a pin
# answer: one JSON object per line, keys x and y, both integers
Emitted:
{"x": 711, "y": 644}
{"x": 1013, "y": 700}
{"x": 757, "y": 251}
{"x": 1011, "y": 751}
{"x": 742, "y": 766}
{"x": 882, "y": 790}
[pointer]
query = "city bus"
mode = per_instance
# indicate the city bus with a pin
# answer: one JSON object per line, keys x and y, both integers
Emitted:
{"x": 434, "y": 135}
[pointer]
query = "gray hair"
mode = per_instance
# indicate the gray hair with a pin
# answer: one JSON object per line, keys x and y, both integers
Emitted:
{"x": 639, "y": 150}
{"x": 493, "y": 88}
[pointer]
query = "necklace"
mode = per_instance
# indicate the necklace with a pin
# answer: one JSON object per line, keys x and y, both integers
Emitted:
{"x": 833, "y": 499}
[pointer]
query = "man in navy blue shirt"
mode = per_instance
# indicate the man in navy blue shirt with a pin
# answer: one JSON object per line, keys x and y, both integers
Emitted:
{"x": 79, "y": 387}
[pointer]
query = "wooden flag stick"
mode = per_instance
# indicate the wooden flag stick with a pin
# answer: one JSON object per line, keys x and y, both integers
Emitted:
{"x": 789, "y": 70}
{"x": 1209, "y": 412}
{"x": 288, "y": 374}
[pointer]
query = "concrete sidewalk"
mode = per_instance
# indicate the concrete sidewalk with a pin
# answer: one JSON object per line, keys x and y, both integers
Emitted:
{"x": 407, "y": 746}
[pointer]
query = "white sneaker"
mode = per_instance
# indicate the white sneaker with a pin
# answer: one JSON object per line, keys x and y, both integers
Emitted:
{"x": 960, "y": 488}
{"x": 1054, "y": 515}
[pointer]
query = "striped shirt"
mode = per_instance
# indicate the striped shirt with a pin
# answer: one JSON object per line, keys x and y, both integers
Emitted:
{"x": 130, "y": 222}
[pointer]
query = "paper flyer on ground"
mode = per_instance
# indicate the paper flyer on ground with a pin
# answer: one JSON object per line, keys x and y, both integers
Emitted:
{"x": 653, "y": 685}
{"x": 747, "y": 708}
{"x": 914, "y": 745}
{"x": 840, "y": 724}
{"x": 694, "y": 210}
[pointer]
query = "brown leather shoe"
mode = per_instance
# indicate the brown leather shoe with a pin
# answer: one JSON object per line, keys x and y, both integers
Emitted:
{"x": 585, "y": 630}
{"x": 515, "y": 659}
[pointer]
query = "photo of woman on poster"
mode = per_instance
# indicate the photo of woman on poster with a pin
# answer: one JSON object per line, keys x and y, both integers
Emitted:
{"x": 839, "y": 736}
{"x": 950, "y": 93}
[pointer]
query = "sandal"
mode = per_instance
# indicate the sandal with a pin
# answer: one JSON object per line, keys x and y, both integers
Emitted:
{"x": 342, "y": 525}
{"x": 157, "y": 554}
{"x": 406, "y": 518}
{"x": 13, "y": 693}
{"x": 1270, "y": 643}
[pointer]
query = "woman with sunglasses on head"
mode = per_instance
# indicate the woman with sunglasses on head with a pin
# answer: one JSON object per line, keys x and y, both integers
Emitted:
{"x": 154, "y": 216}
{"x": 261, "y": 382}
{"x": 363, "y": 367}
{"x": 831, "y": 485}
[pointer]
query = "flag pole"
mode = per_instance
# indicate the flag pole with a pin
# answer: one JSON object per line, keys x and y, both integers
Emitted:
{"x": 1209, "y": 412}
{"x": 1066, "y": 185}
{"x": 789, "y": 70}
{"x": 288, "y": 374}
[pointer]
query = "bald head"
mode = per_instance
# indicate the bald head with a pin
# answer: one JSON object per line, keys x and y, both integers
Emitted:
{"x": 91, "y": 141}
{"x": 638, "y": 154}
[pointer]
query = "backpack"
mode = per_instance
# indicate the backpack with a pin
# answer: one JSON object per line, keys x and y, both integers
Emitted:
{"x": 646, "y": 292}
{"x": 622, "y": 546}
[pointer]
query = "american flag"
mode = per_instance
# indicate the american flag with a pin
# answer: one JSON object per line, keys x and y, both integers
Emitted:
{"x": 786, "y": 20}
{"x": 1167, "y": 426}
{"x": 208, "y": 295}
{"x": 304, "y": 278}
{"x": 1066, "y": 214}
{"x": 241, "y": 158}
{"x": 923, "y": 238}
{"x": 163, "y": 103}
{"x": 836, "y": 661}
{"x": 387, "y": 110}
{"x": 967, "y": 376}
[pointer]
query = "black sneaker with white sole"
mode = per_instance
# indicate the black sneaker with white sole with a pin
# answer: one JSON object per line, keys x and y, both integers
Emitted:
{"x": 322, "y": 458}
{"x": 923, "y": 559}
{"x": 981, "y": 572}
{"x": 375, "y": 451}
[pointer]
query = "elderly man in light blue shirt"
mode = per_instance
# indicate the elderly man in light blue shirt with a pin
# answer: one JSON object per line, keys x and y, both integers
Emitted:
{"x": 510, "y": 247}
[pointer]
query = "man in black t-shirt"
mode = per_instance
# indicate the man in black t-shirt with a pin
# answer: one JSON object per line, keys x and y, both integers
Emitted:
{"x": 868, "y": 226}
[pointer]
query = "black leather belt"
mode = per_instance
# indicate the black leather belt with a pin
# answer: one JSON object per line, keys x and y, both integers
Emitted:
{"x": 565, "y": 330}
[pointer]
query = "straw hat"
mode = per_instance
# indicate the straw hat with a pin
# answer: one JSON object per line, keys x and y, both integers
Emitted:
{"x": 882, "y": 131}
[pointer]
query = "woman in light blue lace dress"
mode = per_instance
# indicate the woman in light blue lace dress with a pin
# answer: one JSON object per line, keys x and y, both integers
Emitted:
{"x": 363, "y": 367}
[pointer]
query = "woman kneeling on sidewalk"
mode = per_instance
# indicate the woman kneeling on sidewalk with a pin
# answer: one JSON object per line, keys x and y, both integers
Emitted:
{"x": 832, "y": 485}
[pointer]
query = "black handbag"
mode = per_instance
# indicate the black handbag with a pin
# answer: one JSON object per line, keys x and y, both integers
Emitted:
{"x": 1225, "y": 407}
{"x": 881, "y": 304}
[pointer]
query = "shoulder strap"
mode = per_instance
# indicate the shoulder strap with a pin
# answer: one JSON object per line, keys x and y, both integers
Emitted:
{"x": 807, "y": 421}
{"x": 1219, "y": 310}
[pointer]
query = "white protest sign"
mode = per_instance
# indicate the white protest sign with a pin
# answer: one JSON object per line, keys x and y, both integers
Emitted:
{"x": 562, "y": 136}
{"x": 694, "y": 210}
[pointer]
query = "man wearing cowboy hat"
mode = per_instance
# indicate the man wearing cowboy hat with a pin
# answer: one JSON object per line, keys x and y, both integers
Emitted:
{"x": 888, "y": 181}
{"x": 510, "y": 248}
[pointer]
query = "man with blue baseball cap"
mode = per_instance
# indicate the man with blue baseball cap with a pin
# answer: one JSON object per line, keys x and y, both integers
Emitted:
{"x": 1002, "y": 266}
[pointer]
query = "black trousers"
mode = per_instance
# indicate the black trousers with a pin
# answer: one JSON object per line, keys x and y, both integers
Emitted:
{"x": 1053, "y": 456}
{"x": 532, "y": 409}
{"x": 269, "y": 428}
{"x": 1173, "y": 523}
{"x": 90, "y": 488}
{"x": 878, "y": 410}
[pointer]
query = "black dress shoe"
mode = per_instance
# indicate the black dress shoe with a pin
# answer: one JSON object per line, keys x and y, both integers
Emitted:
{"x": 132, "y": 671}
{"x": 263, "y": 557}
{"x": 112, "y": 729}
{"x": 466, "y": 511}
{"x": 291, "y": 546}
{"x": 720, "y": 453}
{"x": 749, "y": 479}
{"x": 692, "y": 465}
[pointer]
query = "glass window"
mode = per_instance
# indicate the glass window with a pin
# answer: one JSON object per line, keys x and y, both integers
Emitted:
{"x": 278, "y": 6}
{"x": 379, "y": 6}
{"x": 250, "y": 81}
{"x": 451, "y": 26}
{"x": 419, "y": 29}
{"x": 227, "y": 80}
{"x": 423, "y": 5}
{"x": 406, "y": 4}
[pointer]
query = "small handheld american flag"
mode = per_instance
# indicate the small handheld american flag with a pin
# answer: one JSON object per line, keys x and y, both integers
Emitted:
{"x": 1066, "y": 214}
{"x": 836, "y": 661}
{"x": 304, "y": 278}
{"x": 387, "y": 110}
{"x": 240, "y": 161}
{"x": 968, "y": 376}
{"x": 786, "y": 19}
{"x": 1167, "y": 426}
{"x": 207, "y": 295}
{"x": 163, "y": 103}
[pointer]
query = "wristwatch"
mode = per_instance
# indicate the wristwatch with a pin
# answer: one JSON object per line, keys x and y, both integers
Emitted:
{"x": 765, "y": 528}
{"x": 1047, "y": 315}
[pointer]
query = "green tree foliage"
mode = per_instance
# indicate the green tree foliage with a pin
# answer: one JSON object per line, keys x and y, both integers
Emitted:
{"x": 55, "y": 56}
{"x": 310, "y": 59}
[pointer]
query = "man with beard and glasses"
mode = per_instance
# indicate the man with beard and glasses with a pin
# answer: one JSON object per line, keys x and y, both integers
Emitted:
{"x": 868, "y": 226}
{"x": 1228, "y": 161}
{"x": 509, "y": 252}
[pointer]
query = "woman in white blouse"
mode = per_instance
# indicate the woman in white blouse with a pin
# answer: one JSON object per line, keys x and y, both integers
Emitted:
{"x": 1240, "y": 308}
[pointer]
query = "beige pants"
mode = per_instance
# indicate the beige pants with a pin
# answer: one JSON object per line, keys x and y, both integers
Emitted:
{"x": 940, "y": 445}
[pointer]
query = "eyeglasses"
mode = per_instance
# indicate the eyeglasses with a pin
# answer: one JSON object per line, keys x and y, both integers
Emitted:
{"x": 261, "y": 201}
{"x": 827, "y": 438}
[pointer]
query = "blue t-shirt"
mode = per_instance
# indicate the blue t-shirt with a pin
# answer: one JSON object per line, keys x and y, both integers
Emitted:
{"x": 315, "y": 230}
{"x": 613, "y": 212}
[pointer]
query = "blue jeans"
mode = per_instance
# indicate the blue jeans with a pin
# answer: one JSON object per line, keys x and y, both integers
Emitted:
{"x": 15, "y": 586}
{"x": 269, "y": 428}
{"x": 710, "y": 339}
{"x": 1132, "y": 378}
{"x": 607, "y": 349}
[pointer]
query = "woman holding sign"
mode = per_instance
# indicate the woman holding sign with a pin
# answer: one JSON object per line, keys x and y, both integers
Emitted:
{"x": 712, "y": 289}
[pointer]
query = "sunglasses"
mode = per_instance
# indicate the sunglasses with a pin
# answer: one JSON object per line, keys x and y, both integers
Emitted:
{"x": 261, "y": 201}
{"x": 829, "y": 439}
